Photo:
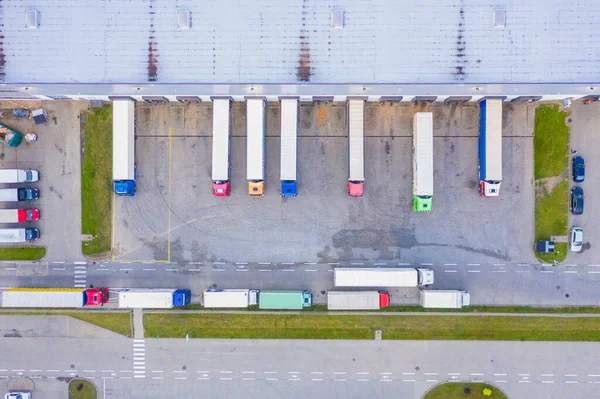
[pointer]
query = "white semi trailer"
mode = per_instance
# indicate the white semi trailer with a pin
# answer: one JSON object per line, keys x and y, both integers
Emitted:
{"x": 124, "y": 174}
{"x": 422, "y": 161}
{"x": 382, "y": 277}
{"x": 445, "y": 299}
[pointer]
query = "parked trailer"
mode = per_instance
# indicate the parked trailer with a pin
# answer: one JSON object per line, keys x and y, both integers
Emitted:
{"x": 53, "y": 297}
{"x": 133, "y": 298}
{"x": 255, "y": 149}
{"x": 445, "y": 299}
{"x": 289, "y": 144}
{"x": 124, "y": 172}
{"x": 18, "y": 235}
{"x": 382, "y": 277}
{"x": 422, "y": 161}
{"x": 221, "y": 167}
{"x": 10, "y": 136}
{"x": 490, "y": 147}
{"x": 19, "y": 215}
{"x": 229, "y": 298}
{"x": 271, "y": 299}
{"x": 357, "y": 300}
{"x": 8, "y": 176}
{"x": 356, "y": 150}
{"x": 19, "y": 194}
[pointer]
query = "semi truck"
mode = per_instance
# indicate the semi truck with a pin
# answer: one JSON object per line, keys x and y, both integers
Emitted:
{"x": 255, "y": 148}
{"x": 53, "y": 297}
{"x": 221, "y": 167}
{"x": 357, "y": 300}
{"x": 19, "y": 215}
{"x": 445, "y": 299}
{"x": 422, "y": 161}
{"x": 490, "y": 147}
{"x": 289, "y": 300}
{"x": 18, "y": 235}
{"x": 19, "y": 194}
{"x": 132, "y": 298}
{"x": 356, "y": 150}
{"x": 382, "y": 277}
{"x": 8, "y": 176}
{"x": 124, "y": 171}
{"x": 229, "y": 298}
{"x": 289, "y": 146}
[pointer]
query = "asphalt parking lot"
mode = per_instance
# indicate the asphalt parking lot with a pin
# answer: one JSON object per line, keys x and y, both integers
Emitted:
{"x": 56, "y": 156}
{"x": 174, "y": 216}
{"x": 585, "y": 138}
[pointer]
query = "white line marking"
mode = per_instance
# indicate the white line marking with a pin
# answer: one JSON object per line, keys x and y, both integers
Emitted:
{"x": 547, "y": 375}
{"x": 449, "y": 264}
{"x": 287, "y": 270}
{"x": 524, "y": 380}
{"x": 148, "y": 270}
{"x": 593, "y": 272}
{"x": 523, "y": 271}
{"x": 408, "y": 380}
{"x": 498, "y": 381}
{"x": 570, "y": 375}
{"x": 203, "y": 378}
{"x": 126, "y": 378}
{"x": 157, "y": 378}
{"x": 157, "y": 371}
{"x": 431, "y": 373}
{"x": 362, "y": 380}
{"x": 171, "y": 270}
{"x": 247, "y": 372}
{"x": 310, "y": 263}
{"x": 226, "y": 372}
{"x": 181, "y": 378}
{"x": 500, "y": 375}
{"x": 340, "y": 379}
{"x": 450, "y": 271}
{"x": 339, "y": 372}
{"x": 547, "y": 382}
{"x": 571, "y": 382}
{"x": 125, "y": 270}
{"x": 453, "y": 373}
{"x": 264, "y": 263}
{"x": 473, "y": 271}
{"x": 316, "y": 379}
{"x": 58, "y": 268}
{"x": 431, "y": 380}
{"x": 524, "y": 375}
{"x": 79, "y": 285}
{"x": 499, "y": 264}
{"x": 356, "y": 263}
{"x": 426, "y": 264}
{"x": 499, "y": 271}
{"x": 241, "y": 263}
{"x": 414, "y": 373}
{"x": 363, "y": 373}
{"x": 138, "y": 363}
{"x": 80, "y": 263}
{"x": 333, "y": 263}
{"x": 380, "y": 264}
{"x": 85, "y": 371}
{"x": 594, "y": 265}
{"x": 316, "y": 372}
{"x": 125, "y": 371}
{"x": 403, "y": 264}
{"x": 38, "y": 371}
{"x": 287, "y": 263}
{"x": 241, "y": 270}
{"x": 589, "y": 375}
{"x": 289, "y": 379}
{"x": 311, "y": 270}
{"x": 179, "y": 371}
{"x": 218, "y": 270}
{"x": 104, "y": 371}
{"x": 476, "y": 373}
{"x": 195, "y": 270}
{"x": 59, "y": 263}
{"x": 264, "y": 270}
{"x": 473, "y": 264}
{"x": 248, "y": 379}
{"x": 385, "y": 373}
{"x": 571, "y": 271}
{"x": 79, "y": 272}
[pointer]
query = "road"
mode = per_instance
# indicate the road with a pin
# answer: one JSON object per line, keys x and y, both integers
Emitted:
{"x": 489, "y": 284}
{"x": 127, "y": 368}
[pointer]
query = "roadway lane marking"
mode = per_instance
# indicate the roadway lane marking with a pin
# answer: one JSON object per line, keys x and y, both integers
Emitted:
{"x": 264, "y": 263}
{"x": 363, "y": 373}
{"x": 380, "y": 264}
{"x": 316, "y": 379}
{"x": 571, "y": 382}
{"x": 454, "y": 374}
{"x": 248, "y": 372}
{"x": 11, "y": 268}
{"x": 241, "y": 270}
{"x": 499, "y": 381}
{"x": 157, "y": 371}
{"x": 226, "y": 372}
{"x": 547, "y": 375}
{"x": 414, "y": 373}
{"x": 547, "y": 382}
{"x": 316, "y": 372}
{"x": 333, "y": 263}
{"x": 264, "y": 270}
{"x": 312, "y": 263}
{"x": 340, "y": 379}
{"x": 148, "y": 270}
{"x": 450, "y": 271}
{"x": 293, "y": 372}
{"x": 85, "y": 371}
{"x": 476, "y": 373}
{"x": 524, "y": 380}
{"x": 218, "y": 270}
{"x": 499, "y": 264}
{"x": 499, "y": 271}
{"x": 403, "y": 264}
{"x": 362, "y": 380}
{"x": 58, "y": 268}
{"x": 181, "y": 378}
{"x": 450, "y": 264}
{"x": 500, "y": 375}
{"x": 276, "y": 379}
{"x": 570, "y": 375}
{"x": 226, "y": 379}
{"x": 357, "y": 263}
{"x": 287, "y": 270}
{"x": 431, "y": 373}
{"x": 195, "y": 270}
{"x": 426, "y": 264}
{"x": 473, "y": 271}
{"x": 104, "y": 371}
{"x": 431, "y": 380}
{"x": 248, "y": 379}
{"x": 179, "y": 371}
{"x": 203, "y": 378}
{"x": 125, "y": 270}
{"x": 408, "y": 380}
{"x": 310, "y": 270}
{"x": 571, "y": 271}
{"x": 59, "y": 263}
{"x": 386, "y": 373}
{"x": 339, "y": 372}
{"x": 288, "y": 263}
{"x": 125, "y": 371}
{"x": 473, "y": 264}
{"x": 157, "y": 378}
{"x": 241, "y": 263}
{"x": 593, "y": 272}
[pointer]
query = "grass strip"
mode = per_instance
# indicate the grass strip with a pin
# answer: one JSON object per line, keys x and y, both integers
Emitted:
{"x": 22, "y": 253}
{"x": 551, "y": 219}
{"x": 96, "y": 180}
{"x": 117, "y": 322}
{"x": 471, "y": 390}
{"x": 82, "y": 389}
{"x": 315, "y": 326}
{"x": 551, "y": 141}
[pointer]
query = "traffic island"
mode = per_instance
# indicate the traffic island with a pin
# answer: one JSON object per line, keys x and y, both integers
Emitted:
{"x": 470, "y": 390}
{"x": 551, "y": 169}
{"x": 80, "y": 388}
{"x": 96, "y": 182}
{"x": 22, "y": 253}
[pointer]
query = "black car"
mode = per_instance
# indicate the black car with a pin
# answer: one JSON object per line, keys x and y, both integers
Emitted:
{"x": 577, "y": 200}
{"x": 578, "y": 169}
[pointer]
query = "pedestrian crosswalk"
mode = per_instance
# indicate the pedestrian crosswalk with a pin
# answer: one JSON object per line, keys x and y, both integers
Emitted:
{"x": 139, "y": 358}
{"x": 80, "y": 276}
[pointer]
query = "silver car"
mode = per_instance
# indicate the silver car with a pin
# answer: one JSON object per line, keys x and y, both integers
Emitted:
{"x": 576, "y": 239}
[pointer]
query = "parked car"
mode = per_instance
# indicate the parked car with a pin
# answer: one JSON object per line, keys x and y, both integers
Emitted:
{"x": 578, "y": 169}
{"x": 18, "y": 395}
{"x": 576, "y": 239}
{"x": 577, "y": 200}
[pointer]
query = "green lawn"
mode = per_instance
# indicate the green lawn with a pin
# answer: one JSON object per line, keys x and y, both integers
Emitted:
{"x": 119, "y": 322}
{"x": 551, "y": 160}
{"x": 96, "y": 180}
{"x": 314, "y": 326}
{"x": 552, "y": 218}
{"x": 82, "y": 389}
{"x": 22, "y": 253}
{"x": 456, "y": 390}
{"x": 551, "y": 141}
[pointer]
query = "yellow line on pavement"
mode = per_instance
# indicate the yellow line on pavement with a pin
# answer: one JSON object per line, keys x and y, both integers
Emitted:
{"x": 169, "y": 198}
{"x": 112, "y": 233}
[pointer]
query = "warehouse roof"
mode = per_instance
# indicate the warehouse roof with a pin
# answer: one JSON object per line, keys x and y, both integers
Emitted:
{"x": 299, "y": 41}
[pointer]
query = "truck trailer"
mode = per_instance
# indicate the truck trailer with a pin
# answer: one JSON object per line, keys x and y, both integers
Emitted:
{"x": 8, "y": 176}
{"x": 357, "y": 300}
{"x": 19, "y": 194}
{"x": 53, "y": 297}
{"x": 356, "y": 148}
{"x": 221, "y": 167}
{"x": 19, "y": 215}
{"x": 490, "y": 147}
{"x": 229, "y": 298}
{"x": 422, "y": 161}
{"x": 132, "y": 298}
{"x": 382, "y": 277}
{"x": 18, "y": 235}
{"x": 445, "y": 299}
{"x": 272, "y": 299}
{"x": 289, "y": 146}
{"x": 255, "y": 148}
{"x": 124, "y": 172}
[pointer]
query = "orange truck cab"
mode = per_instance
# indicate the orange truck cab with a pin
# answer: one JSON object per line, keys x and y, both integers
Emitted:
{"x": 256, "y": 188}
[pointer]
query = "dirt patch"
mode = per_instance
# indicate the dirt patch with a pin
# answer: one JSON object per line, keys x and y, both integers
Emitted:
{"x": 546, "y": 185}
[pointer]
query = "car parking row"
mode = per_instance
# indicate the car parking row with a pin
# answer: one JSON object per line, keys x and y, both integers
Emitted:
{"x": 19, "y": 194}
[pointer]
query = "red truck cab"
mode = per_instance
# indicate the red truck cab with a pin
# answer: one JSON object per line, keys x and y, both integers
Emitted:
{"x": 221, "y": 189}
{"x": 96, "y": 296}
{"x": 355, "y": 188}
{"x": 384, "y": 299}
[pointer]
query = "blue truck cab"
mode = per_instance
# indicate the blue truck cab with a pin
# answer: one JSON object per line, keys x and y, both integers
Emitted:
{"x": 126, "y": 188}
{"x": 182, "y": 297}
{"x": 306, "y": 299}
{"x": 288, "y": 188}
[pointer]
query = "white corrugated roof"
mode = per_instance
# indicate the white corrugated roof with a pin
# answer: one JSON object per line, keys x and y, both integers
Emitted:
{"x": 284, "y": 41}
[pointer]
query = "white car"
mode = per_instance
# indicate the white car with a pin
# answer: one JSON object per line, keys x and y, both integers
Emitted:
{"x": 576, "y": 239}
{"x": 18, "y": 395}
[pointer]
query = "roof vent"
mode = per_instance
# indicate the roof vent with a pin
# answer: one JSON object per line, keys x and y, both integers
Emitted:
{"x": 32, "y": 19}
{"x": 499, "y": 18}
{"x": 184, "y": 19}
{"x": 337, "y": 19}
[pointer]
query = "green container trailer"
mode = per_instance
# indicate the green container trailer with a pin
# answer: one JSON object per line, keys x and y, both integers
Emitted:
{"x": 292, "y": 300}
